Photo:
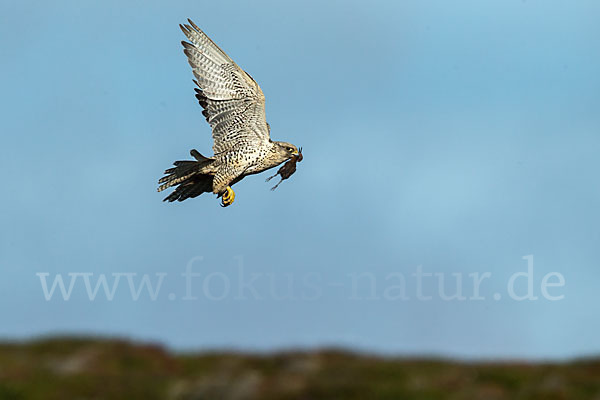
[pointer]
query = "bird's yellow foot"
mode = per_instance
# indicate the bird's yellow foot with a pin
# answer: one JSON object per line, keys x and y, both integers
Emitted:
{"x": 228, "y": 197}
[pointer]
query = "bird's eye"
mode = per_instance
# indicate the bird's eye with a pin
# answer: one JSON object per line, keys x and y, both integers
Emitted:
{"x": 290, "y": 149}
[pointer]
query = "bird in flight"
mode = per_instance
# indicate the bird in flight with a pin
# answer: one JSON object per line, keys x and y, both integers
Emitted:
{"x": 234, "y": 106}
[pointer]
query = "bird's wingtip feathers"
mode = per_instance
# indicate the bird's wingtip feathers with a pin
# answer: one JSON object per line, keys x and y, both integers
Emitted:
{"x": 194, "y": 25}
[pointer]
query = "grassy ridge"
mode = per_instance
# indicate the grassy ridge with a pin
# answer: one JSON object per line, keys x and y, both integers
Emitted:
{"x": 112, "y": 369}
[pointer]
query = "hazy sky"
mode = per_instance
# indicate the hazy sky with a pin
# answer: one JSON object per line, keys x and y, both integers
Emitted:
{"x": 442, "y": 137}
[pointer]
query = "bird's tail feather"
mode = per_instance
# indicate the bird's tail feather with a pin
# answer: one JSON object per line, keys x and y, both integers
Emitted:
{"x": 187, "y": 175}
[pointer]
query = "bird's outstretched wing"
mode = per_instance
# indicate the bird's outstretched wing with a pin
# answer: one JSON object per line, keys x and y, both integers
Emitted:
{"x": 234, "y": 104}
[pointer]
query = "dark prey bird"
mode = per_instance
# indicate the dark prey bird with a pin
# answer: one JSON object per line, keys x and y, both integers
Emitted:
{"x": 287, "y": 169}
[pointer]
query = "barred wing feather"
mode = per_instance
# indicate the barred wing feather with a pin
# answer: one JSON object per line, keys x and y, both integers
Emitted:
{"x": 234, "y": 104}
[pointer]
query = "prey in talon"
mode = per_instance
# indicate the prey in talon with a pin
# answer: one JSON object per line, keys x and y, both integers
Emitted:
{"x": 287, "y": 169}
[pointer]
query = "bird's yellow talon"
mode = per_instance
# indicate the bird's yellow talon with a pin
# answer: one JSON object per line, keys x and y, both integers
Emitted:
{"x": 228, "y": 197}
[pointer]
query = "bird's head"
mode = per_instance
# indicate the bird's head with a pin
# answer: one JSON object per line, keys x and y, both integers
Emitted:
{"x": 286, "y": 150}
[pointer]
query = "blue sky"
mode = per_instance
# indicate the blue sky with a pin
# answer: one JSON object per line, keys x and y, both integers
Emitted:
{"x": 455, "y": 136}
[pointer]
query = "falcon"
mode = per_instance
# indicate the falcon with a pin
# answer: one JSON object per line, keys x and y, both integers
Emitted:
{"x": 234, "y": 106}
